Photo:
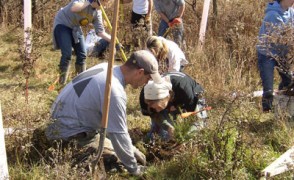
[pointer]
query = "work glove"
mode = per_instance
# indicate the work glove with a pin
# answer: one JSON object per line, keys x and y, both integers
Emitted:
{"x": 140, "y": 170}
{"x": 141, "y": 158}
{"x": 147, "y": 19}
{"x": 174, "y": 22}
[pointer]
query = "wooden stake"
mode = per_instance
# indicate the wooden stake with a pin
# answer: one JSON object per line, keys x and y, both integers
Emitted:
{"x": 203, "y": 24}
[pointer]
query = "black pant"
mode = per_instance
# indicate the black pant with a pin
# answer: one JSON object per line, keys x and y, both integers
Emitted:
{"x": 137, "y": 19}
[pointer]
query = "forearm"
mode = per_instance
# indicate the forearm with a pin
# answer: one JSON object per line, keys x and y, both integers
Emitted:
{"x": 163, "y": 17}
{"x": 123, "y": 147}
{"x": 105, "y": 35}
{"x": 77, "y": 7}
{"x": 181, "y": 11}
{"x": 150, "y": 5}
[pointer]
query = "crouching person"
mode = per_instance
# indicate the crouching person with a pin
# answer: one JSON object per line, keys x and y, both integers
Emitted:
{"x": 77, "y": 111}
{"x": 164, "y": 101}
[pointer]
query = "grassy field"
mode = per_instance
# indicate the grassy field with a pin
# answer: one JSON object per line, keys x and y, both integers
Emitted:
{"x": 239, "y": 141}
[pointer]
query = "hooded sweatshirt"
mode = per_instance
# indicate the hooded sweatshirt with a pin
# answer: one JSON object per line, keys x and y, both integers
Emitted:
{"x": 275, "y": 16}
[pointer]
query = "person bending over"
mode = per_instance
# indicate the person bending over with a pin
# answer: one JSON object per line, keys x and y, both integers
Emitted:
{"x": 164, "y": 101}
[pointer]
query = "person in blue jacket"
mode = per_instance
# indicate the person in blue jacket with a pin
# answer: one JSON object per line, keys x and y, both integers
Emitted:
{"x": 278, "y": 14}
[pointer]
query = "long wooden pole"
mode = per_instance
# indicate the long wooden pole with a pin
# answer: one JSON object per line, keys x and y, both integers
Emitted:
{"x": 110, "y": 67}
{"x": 108, "y": 85}
{"x": 203, "y": 24}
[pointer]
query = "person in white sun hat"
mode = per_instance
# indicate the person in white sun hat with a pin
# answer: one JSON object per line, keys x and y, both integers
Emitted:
{"x": 164, "y": 101}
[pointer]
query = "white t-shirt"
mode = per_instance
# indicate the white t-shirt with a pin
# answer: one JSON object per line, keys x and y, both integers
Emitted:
{"x": 176, "y": 57}
{"x": 140, "y": 6}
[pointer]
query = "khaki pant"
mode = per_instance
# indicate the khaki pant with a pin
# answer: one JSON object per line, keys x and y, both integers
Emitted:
{"x": 83, "y": 146}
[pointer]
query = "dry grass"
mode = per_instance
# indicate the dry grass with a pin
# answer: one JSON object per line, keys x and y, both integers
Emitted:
{"x": 239, "y": 142}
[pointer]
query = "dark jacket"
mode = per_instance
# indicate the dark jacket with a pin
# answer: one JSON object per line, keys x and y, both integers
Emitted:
{"x": 186, "y": 91}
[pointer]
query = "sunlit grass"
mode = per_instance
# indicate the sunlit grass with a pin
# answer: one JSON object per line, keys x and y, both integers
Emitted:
{"x": 239, "y": 140}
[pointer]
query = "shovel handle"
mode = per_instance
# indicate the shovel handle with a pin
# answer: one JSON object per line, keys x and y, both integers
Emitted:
{"x": 52, "y": 86}
{"x": 187, "y": 114}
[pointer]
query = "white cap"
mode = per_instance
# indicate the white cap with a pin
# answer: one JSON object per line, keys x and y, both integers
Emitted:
{"x": 156, "y": 91}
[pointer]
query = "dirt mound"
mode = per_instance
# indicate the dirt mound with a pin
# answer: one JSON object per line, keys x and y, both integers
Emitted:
{"x": 157, "y": 150}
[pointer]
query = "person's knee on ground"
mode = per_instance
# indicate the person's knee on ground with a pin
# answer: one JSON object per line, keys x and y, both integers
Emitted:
{"x": 197, "y": 126}
{"x": 285, "y": 81}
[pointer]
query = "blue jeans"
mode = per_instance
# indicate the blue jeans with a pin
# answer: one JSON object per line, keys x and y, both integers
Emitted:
{"x": 65, "y": 41}
{"x": 178, "y": 31}
{"x": 266, "y": 66}
{"x": 160, "y": 123}
{"x": 101, "y": 47}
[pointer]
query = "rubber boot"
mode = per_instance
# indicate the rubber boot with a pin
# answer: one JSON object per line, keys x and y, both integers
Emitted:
{"x": 267, "y": 101}
{"x": 80, "y": 68}
{"x": 64, "y": 72}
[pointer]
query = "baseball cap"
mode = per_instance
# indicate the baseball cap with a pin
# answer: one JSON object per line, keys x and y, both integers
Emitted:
{"x": 146, "y": 60}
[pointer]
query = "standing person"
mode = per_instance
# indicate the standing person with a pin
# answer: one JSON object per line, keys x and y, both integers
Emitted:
{"x": 141, "y": 12}
{"x": 68, "y": 33}
{"x": 171, "y": 13}
{"x": 168, "y": 54}
{"x": 277, "y": 14}
{"x": 164, "y": 101}
{"x": 141, "y": 17}
{"x": 77, "y": 111}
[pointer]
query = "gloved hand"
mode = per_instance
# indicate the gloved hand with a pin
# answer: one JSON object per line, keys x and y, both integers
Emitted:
{"x": 141, "y": 158}
{"x": 147, "y": 19}
{"x": 174, "y": 22}
{"x": 149, "y": 139}
{"x": 140, "y": 171}
{"x": 119, "y": 46}
{"x": 90, "y": 1}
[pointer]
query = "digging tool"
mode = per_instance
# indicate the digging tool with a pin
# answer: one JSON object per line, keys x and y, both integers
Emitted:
{"x": 187, "y": 114}
{"x": 52, "y": 86}
{"x": 107, "y": 87}
{"x": 166, "y": 32}
{"x": 110, "y": 27}
{"x": 175, "y": 22}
